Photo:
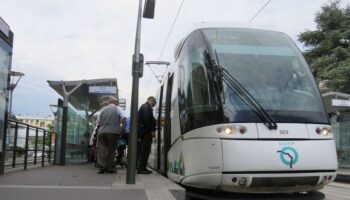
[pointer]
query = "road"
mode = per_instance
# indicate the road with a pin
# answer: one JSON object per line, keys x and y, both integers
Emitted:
{"x": 334, "y": 191}
{"x": 337, "y": 191}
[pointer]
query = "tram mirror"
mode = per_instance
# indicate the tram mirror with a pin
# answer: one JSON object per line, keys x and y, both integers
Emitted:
{"x": 148, "y": 10}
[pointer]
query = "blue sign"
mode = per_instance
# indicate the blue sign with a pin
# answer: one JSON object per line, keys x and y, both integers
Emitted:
{"x": 289, "y": 156}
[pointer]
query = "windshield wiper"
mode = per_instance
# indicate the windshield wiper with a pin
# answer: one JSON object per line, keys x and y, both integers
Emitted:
{"x": 216, "y": 74}
{"x": 234, "y": 85}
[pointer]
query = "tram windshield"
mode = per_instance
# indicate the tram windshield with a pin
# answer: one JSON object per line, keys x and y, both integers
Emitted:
{"x": 270, "y": 67}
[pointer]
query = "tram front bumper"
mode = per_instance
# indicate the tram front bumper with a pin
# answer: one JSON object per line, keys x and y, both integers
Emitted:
{"x": 277, "y": 166}
{"x": 275, "y": 183}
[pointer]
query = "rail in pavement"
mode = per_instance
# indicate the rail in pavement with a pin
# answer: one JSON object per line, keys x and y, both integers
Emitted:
{"x": 81, "y": 182}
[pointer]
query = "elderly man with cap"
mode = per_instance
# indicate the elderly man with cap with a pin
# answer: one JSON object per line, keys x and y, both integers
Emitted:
{"x": 108, "y": 133}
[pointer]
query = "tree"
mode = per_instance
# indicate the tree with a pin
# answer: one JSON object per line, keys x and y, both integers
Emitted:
{"x": 328, "y": 47}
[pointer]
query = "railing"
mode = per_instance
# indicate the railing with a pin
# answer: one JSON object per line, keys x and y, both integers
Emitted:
{"x": 28, "y": 146}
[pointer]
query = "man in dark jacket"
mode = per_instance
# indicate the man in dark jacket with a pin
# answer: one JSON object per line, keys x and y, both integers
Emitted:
{"x": 147, "y": 126}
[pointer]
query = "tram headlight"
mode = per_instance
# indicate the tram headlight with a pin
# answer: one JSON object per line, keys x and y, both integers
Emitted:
{"x": 325, "y": 131}
{"x": 230, "y": 130}
{"x": 225, "y": 130}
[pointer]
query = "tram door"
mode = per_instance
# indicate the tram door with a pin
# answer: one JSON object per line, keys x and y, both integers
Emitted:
{"x": 157, "y": 142}
{"x": 161, "y": 129}
{"x": 165, "y": 125}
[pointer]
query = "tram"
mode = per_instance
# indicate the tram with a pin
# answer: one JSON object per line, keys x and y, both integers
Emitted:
{"x": 240, "y": 111}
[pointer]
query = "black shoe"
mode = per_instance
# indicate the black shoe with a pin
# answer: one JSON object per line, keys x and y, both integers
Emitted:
{"x": 101, "y": 171}
{"x": 145, "y": 171}
{"x": 111, "y": 171}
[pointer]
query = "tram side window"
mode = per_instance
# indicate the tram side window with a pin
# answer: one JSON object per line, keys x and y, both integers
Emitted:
{"x": 197, "y": 105}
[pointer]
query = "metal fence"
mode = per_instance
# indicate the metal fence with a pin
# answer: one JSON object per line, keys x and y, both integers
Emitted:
{"x": 28, "y": 146}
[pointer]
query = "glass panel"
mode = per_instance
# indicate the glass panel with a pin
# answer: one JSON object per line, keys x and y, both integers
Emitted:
{"x": 341, "y": 129}
{"x": 77, "y": 136}
{"x": 5, "y": 63}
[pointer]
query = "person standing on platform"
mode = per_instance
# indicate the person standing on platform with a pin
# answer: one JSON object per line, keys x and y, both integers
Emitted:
{"x": 146, "y": 126}
{"x": 108, "y": 133}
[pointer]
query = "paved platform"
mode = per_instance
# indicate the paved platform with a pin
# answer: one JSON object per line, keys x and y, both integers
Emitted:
{"x": 82, "y": 182}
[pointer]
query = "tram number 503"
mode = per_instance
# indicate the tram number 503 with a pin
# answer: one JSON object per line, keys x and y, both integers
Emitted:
{"x": 284, "y": 132}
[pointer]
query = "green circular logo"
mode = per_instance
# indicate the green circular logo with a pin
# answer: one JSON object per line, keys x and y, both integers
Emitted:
{"x": 289, "y": 156}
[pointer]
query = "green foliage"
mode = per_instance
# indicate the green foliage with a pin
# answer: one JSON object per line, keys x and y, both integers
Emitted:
{"x": 51, "y": 128}
{"x": 12, "y": 117}
{"x": 328, "y": 47}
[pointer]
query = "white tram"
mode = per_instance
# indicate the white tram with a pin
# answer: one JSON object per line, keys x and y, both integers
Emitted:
{"x": 240, "y": 111}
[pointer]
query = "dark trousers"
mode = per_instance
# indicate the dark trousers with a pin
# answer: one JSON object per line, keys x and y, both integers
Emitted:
{"x": 106, "y": 147}
{"x": 145, "y": 149}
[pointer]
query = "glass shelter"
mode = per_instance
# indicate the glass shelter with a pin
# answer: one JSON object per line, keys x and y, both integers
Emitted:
{"x": 81, "y": 100}
{"x": 338, "y": 108}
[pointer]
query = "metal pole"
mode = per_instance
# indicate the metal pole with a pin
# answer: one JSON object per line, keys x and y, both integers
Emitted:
{"x": 15, "y": 146}
{"x": 64, "y": 135}
{"x": 50, "y": 143}
{"x": 36, "y": 145}
{"x": 43, "y": 150}
{"x": 26, "y": 148}
{"x": 131, "y": 170}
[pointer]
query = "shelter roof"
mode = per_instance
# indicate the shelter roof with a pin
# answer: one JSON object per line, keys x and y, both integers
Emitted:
{"x": 90, "y": 94}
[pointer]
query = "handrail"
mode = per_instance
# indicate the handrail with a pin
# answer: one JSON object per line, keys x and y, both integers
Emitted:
{"x": 22, "y": 148}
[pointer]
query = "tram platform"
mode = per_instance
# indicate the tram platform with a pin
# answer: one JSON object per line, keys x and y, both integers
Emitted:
{"x": 81, "y": 182}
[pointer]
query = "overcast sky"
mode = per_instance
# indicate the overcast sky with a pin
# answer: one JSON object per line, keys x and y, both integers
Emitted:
{"x": 89, "y": 39}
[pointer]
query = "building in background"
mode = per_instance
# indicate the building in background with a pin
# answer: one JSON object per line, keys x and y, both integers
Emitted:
{"x": 122, "y": 103}
{"x": 42, "y": 122}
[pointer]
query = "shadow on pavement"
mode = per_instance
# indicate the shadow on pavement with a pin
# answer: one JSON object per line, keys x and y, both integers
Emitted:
{"x": 199, "y": 194}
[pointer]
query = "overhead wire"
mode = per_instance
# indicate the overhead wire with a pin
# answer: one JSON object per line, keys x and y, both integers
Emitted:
{"x": 165, "y": 44}
{"x": 171, "y": 29}
{"x": 262, "y": 8}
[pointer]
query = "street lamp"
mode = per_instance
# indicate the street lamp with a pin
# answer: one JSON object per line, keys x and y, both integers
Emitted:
{"x": 137, "y": 64}
{"x": 13, "y": 75}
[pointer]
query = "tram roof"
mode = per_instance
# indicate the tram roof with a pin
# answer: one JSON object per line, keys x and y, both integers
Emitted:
{"x": 90, "y": 94}
{"x": 223, "y": 24}
{"x": 231, "y": 24}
